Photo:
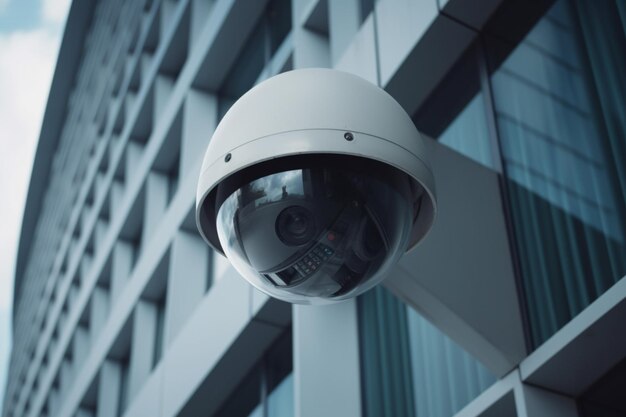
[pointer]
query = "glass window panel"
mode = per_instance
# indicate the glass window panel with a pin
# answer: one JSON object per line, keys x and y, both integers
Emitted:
{"x": 455, "y": 113}
{"x": 409, "y": 367}
{"x": 560, "y": 102}
{"x": 365, "y": 8}
{"x": 280, "y": 402}
{"x": 278, "y": 22}
{"x": 246, "y": 400}
{"x": 467, "y": 133}
{"x": 267, "y": 391}
{"x": 267, "y": 36}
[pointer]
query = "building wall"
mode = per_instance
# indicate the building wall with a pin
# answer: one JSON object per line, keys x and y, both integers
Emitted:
{"x": 513, "y": 306}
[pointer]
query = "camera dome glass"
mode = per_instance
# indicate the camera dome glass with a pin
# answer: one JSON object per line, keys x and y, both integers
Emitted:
{"x": 317, "y": 234}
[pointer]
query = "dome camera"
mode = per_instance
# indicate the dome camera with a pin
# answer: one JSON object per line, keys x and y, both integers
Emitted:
{"x": 314, "y": 184}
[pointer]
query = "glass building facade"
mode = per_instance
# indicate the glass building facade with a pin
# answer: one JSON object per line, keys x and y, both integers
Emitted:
{"x": 548, "y": 112}
{"x": 121, "y": 310}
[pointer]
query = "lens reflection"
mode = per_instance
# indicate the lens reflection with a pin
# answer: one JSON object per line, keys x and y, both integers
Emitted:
{"x": 316, "y": 234}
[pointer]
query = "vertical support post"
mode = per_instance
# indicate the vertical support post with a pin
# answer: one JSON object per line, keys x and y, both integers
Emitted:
{"x": 327, "y": 380}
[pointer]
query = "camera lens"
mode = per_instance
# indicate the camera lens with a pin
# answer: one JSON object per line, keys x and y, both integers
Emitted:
{"x": 295, "y": 226}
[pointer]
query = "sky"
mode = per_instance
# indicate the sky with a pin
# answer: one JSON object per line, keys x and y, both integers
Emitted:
{"x": 30, "y": 34}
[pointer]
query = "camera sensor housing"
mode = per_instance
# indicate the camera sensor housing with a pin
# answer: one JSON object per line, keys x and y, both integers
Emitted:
{"x": 314, "y": 185}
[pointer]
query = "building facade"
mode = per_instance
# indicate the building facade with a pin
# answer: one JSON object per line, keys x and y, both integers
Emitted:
{"x": 514, "y": 305}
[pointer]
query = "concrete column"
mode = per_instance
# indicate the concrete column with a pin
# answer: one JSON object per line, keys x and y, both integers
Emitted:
{"x": 310, "y": 34}
{"x": 117, "y": 194}
{"x": 187, "y": 280}
{"x": 327, "y": 381}
{"x": 145, "y": 62}
{"x": 53, "y": 401}
{"x": 133, "y": 154}
{"x": 109, "y": 389}
{"x": 72, "y": 293}
{"x": 99, "y": 311}
{"x": 121, "y": 267}
{"x": 85, "y": 267}
{"x": 85, "y": 215}
{"x": 65, "y": 375}
{"x": 219, "y": 267}
{"x": 143, "y": 344}
{"x": 199, "y": 121}
{"x": 99, "y": 183}
{"x": 344, "y": 22}
{"x": 82, "y": 412}
{"x": 156, "y": 203}
{"x": 536, "y": 402}
{"x": 99, "y": 233}
{"x": 163, "y": 86}
{"x": 80, "y": 344}
{"x": 168, "y": 9}
{"x": 200, "y": 10}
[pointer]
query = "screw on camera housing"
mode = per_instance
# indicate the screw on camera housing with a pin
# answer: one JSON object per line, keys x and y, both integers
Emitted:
{"x": 289, "y": 132}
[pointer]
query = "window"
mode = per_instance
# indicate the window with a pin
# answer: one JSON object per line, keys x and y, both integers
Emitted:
{"x": 267, "y": 391}
{"x": 560, "y": 106}
{"x": 409, "y": 368}
{"x": 456, "y": 112}
{"x": 542, "y": 96}
{"x": 265, "y": 39}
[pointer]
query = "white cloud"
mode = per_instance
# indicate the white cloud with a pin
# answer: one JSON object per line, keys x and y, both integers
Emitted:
{"x": 54, "y": 11}
{"x": 26, "y": 64}
{"x": 27, "y": 61}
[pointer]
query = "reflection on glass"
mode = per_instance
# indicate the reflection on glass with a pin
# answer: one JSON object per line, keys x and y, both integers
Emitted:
{"x": 455, "y": 113}
{"x": 246, "y": 399}
{"x": 560, "y": 100}
{"x": 314, "y": 234}
{"x": 266, "y": 37}
{"x": 257, "y": 412}
{"x": 267, "y": 391}
{"x": 280, "y": 402}
{"x": 468, "y": 132}
{"x": 409, "y": 368}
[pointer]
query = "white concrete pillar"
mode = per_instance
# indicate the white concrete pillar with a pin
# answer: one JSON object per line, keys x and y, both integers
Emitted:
{"x": 168, "y": 9}
{"x": 163, "y": 86}
{"x": 344, "y": 22}
{"x": 117, "y": 194}
{"x": 80, "y": 344}
{"x": 133, "y": 154}
{"x": 85, "y": 267}
{"x": 65, "y": 375}
{"x": 199, "y": 122}
{"x": 83, "y": 412}
{"x": 99, "y": 233}
{"x": 143, "y": 344}
{"x": 200, "y": 10}
{"x": 109, "y": 389}
{"x": 187, "y": 280}
{"x": 53, "y": 401}
{"x": 121, "y": 267}
{"x": 145, "y": 62}
{"x": 156, "y": 202}
{"x": 327, "y": 381}
{"x": 99, "y": 311}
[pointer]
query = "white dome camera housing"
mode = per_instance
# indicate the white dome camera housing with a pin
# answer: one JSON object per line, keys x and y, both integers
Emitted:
{"x": 314, "y": 185}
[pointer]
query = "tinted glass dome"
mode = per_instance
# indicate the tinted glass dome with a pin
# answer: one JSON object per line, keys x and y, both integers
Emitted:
{"x": 316, "y": 235}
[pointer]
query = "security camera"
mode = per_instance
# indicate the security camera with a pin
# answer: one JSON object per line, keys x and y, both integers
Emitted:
{"x": 314, "y": 184}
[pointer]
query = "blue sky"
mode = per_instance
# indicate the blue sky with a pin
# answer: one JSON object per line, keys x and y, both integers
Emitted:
{"x": 30, "y": 32}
